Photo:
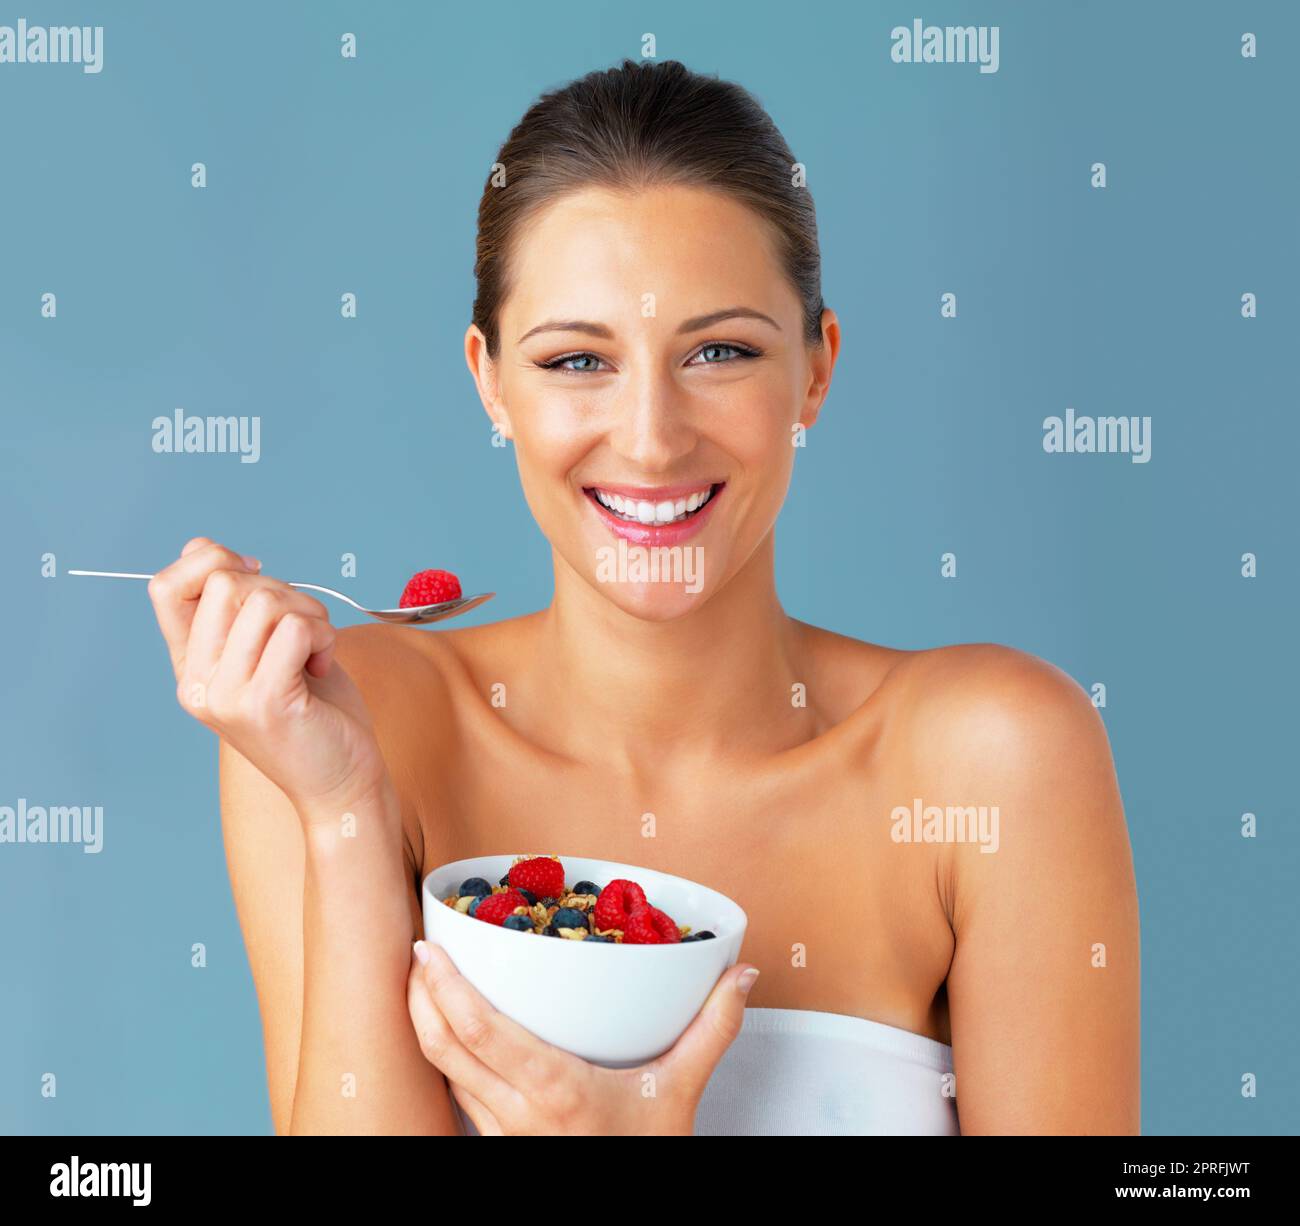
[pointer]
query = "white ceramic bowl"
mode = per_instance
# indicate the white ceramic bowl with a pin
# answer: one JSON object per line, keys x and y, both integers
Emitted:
{"x": 612, "y": 1004}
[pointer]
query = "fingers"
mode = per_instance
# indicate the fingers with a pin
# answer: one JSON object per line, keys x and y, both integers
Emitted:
{"x": 502, "y": 1044}
{"x": 442, "y": 1048}
{"x": 234, "y": 622}
{"x": 220, "y": 619}
{"x": 294, "y": 641}
{"x": 692, "y": 1059}
{"x": 479, "y": 1115}
{"x": 175, "y": 591}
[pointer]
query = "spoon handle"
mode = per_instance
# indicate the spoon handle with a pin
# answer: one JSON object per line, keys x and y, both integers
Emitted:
{"x": 314, "y": 587}
{"x": 109, "y": 574}
{"x": 122, "y": 574}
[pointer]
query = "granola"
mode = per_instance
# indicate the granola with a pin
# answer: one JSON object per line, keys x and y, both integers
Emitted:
{"x": 617, "y": 913}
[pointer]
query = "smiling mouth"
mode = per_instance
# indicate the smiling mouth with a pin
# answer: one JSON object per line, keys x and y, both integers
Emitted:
{"x": 654, "y": 514}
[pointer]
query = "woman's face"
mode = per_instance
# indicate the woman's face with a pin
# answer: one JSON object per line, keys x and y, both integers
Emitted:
{"x": 652, "y": 372}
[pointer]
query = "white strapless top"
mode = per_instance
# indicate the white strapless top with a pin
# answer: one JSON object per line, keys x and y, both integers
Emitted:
{"x": 802, "y": 1073}
{"x": 799, "y": 1072}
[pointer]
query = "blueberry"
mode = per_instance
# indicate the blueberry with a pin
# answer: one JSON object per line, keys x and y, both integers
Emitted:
{"x": 504, "y": 880}
{"x": 603, "y": 940}
{"x": 476, "y": 886}
{"x": 474, "y": 905}
{"x": 586, "y": 887}
{"x": 550, "y": 931}
{"x": 569, "y": 917}
{"x": 518, "y": 923}
{"x": 529, "y": 896}
{"x": 689, "y": 937}
{"x": 706, "y": 935}
{"x": 550, "y": 902}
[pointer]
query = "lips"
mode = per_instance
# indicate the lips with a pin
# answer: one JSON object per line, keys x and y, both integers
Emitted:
{"x": 654, "y": 515}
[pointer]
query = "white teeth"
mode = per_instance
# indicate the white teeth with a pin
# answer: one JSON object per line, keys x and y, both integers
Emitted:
{"x": 669, "y": 511}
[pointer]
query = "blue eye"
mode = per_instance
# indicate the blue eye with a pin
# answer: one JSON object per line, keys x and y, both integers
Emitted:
{"x": 740, "y": 351}
{"x": 717, "y": 353}
{"x": 561, "y": 363}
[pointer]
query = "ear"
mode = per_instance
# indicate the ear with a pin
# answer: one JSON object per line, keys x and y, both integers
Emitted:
{"x": 486, "y": 379}
{"x": 821, "y": 364}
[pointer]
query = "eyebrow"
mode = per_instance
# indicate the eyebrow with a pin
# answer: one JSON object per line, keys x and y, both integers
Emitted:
{"x": 689, "y": 325}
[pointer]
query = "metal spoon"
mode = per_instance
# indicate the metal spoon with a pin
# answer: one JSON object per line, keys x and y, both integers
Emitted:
{"x": 415, "y": 615}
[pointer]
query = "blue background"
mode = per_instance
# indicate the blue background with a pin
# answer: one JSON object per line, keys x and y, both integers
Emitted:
{"x": 329, "y": 175}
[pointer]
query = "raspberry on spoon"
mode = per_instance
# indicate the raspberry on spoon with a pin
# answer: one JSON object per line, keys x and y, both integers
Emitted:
{"x": 430, "y": 587}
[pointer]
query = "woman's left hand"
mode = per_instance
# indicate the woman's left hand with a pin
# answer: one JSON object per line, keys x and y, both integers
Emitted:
{"x": 511, "y": 1083}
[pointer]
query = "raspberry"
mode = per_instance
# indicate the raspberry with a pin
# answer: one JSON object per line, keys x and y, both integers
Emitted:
{"x": 541, "y": 876}
{"x": 495, "y": 907}
{"x": 430, "y": 587}
{"x": 617, "y": 900}
{"x": 648, "y": 925}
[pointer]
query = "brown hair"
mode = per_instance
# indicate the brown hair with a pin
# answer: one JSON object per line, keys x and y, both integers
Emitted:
{"x": 634, "y": 126}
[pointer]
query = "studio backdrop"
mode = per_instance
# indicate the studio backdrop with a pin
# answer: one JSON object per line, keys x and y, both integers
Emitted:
{"x": 1064, "y": 419}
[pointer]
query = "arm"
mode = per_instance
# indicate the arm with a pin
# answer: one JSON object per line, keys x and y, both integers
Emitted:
{"x": 1045, "y": 1036}
{"x": 259, "y": 664}
{"x": 328, "y": 922}
{"x": 336, "y": 915}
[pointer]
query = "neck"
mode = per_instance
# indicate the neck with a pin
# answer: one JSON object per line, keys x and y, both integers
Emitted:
{"x": 715, "y": 680}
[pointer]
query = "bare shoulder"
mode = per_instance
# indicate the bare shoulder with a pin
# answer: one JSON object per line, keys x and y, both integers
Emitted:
{"x": 972, "y": 695}
{"x": 987, "y": 726}
{"x": 375, "y": 654}
{"x": 401, "y": 670}
{"x": 989, "y": 710}
{"x": 1002, "y": 761}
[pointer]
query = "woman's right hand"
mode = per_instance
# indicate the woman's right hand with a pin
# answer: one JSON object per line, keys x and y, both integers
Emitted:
{"x": 253, "y": 662}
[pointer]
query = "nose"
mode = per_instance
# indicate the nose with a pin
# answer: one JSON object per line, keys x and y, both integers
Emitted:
{"x": 652, "y": 427}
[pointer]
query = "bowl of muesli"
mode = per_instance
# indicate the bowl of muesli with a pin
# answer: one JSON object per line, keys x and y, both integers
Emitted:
{"x": 608, "y": 961}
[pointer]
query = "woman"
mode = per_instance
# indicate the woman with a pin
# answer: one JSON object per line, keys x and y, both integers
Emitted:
{"x": 649, "y": 331}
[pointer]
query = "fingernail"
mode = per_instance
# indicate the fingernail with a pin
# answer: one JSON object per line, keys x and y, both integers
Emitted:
{"x": 746, "y": 980}
{"x": 251, "y": 562}
{"x": 421, "y": 953}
